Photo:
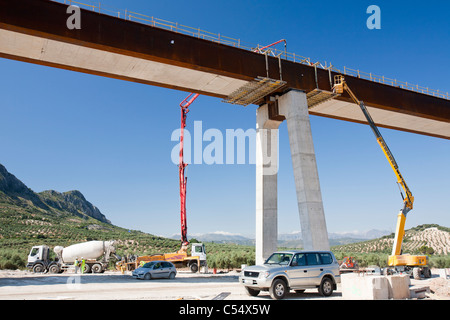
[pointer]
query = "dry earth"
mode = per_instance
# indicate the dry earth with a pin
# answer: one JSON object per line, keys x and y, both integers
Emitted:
{"x": 24, "y": 285}
{"x": 115, "y": 286}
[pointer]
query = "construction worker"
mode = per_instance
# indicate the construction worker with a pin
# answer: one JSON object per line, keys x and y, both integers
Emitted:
{"x": 76, "y": 264}
{"x": 83, "y": 264}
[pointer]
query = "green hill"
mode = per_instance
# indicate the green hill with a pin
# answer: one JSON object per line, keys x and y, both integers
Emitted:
{"x": 430, "y": 239}
{"x": 61, "y": 219}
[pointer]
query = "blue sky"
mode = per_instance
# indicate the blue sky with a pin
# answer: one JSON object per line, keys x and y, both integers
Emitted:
{"x": 111, "y": 139}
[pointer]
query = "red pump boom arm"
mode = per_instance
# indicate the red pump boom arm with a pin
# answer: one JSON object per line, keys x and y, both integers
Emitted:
{"x": 181, "y": 167}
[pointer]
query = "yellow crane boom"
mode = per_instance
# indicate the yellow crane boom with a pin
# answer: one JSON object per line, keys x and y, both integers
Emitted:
{"x": 396, "y": 259}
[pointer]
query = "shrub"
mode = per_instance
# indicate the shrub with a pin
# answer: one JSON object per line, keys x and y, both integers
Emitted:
{"x": 440, "y": 262}
{"x": 9, "y": 266}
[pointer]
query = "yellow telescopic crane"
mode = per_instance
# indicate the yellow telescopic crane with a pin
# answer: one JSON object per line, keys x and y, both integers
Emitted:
{"x": 414, "y": 265}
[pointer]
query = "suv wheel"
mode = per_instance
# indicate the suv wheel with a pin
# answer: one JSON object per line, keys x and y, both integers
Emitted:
{"x": 278, "y": 289}
{"x": 326, "y": 287}
{"x": 252, "y": 292}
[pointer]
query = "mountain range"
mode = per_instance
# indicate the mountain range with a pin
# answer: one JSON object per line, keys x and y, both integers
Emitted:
{"x": 67, "y": 215}
{"x": 292, "y": 240}
{"x": 15, "y": 192}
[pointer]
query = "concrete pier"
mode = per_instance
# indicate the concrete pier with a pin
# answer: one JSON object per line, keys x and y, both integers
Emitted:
{"x": 266, "y": 184}
{"x": 293, "y": 107}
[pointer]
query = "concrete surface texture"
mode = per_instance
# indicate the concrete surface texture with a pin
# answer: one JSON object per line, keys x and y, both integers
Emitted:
{"x": 293, "y": 106}
{"x": 112, "y": 285}
{"x": 266, "y": 184}
{"x": 374, "y": 287}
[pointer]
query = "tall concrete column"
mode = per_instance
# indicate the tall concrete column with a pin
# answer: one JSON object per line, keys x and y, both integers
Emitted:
{"x": 293, "y": 105}
{"x": 266, "y": 184}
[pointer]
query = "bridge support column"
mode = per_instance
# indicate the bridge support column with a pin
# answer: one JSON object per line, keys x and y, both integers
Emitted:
{"x": 266, "y": 184}
{"x": 293, "y": 105}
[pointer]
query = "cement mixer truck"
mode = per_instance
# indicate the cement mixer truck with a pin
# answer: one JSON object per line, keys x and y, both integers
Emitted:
{"x": 39, "y": 258}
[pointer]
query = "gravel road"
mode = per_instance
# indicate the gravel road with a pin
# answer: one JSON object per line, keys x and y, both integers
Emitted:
{"x": 112, "y": 285}
{"x": 19, "y": 285}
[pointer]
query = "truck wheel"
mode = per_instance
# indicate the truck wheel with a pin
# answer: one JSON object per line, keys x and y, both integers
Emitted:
{"x": 87, "y": 268}
{"x": 252, "y": 292}
{"x": 416, "y": 273}
{"x": 278, "y": 289}
{"x": 38, "y": 268}
{"x": 194, "y": 267}
{"x": 387, "y": 271}
{"x": 96, "y": 268}
{"x": 54, "y": 268}
{"x": 426, "y": 272}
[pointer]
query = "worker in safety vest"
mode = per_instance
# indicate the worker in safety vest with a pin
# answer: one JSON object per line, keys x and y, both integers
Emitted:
{"x": 83, "y": 265}
{"x": 76, "y": 264}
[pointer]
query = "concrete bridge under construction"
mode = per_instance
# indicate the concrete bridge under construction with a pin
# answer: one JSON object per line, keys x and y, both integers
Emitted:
{"x": 284, "y": 88}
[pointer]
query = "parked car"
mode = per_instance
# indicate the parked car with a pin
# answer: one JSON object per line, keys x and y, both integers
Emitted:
{"x": 155, "y": 270}
{"x": 293, "y": 270}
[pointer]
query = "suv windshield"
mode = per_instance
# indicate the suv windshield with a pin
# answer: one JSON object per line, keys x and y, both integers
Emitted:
{"x": 279, "y": 258}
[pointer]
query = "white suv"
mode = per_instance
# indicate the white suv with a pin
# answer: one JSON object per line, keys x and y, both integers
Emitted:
{"x": 293, "y": 270}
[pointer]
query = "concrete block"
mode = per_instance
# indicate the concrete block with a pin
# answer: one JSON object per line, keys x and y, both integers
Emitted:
{"x": 375, "y": 287}
{"x": 442, "y": 273}
{"x": 364, "y": 287}
{"x": 399, "y": 286}
{"x": 418, "y": 292}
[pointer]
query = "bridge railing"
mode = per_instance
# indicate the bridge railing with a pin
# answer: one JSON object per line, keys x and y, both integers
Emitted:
{"x": 219, "y": 38}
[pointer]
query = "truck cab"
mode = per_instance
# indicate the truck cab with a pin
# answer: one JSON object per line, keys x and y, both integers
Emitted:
{"x": 198, "y": 250}
{"x": 39, "y": 260}
{"x": 38, "y": 253}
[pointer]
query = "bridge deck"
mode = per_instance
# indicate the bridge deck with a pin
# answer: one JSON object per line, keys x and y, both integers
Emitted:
{"x": 35, "y": 31}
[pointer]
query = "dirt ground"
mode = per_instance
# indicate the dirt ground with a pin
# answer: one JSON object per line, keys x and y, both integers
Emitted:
{"x": 24, "y": 285}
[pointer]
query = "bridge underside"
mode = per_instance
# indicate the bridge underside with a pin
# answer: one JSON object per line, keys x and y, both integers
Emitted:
{"x": 35, "y": 31}
{"x": 28, "y": 48}
{"x": 38, "y": 50}
{"x": 384, "y": 118}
